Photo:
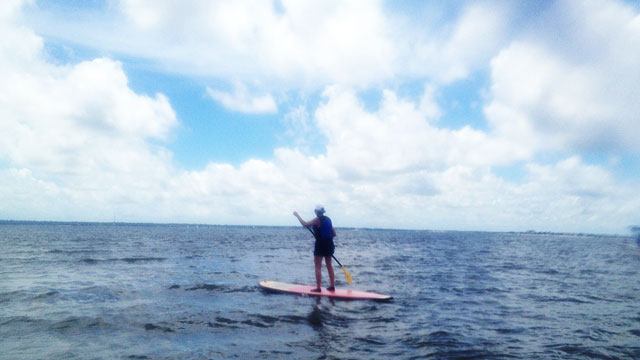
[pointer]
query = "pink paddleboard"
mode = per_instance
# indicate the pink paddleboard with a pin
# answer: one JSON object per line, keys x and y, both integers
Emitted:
{"x": 337, "y": 293}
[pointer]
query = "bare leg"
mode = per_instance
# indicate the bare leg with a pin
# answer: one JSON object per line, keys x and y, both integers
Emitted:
{"x": 318, "y": 262}
{"x": 332, "y": 277}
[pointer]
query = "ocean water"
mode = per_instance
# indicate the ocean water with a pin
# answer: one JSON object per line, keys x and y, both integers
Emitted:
{"x": 114, "y": 291}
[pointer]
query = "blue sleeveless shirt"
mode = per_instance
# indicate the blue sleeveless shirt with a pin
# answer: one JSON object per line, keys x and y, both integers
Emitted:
{"x": 325, "y": 231}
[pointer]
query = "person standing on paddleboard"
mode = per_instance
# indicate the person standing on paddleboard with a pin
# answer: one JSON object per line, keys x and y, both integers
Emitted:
{"x": 324, "y": 233}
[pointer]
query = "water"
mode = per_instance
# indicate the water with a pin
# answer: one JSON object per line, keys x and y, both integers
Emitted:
{"x": 102, "y": 291}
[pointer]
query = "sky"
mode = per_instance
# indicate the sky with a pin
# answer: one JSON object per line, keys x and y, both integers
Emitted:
{"x": 437, "y": 115}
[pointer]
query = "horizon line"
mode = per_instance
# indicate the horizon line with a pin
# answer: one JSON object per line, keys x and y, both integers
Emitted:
{"x": 128, "y": 223}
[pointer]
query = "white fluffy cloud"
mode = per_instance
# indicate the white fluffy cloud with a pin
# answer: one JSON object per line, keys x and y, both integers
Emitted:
{"x": 78, "y": 134}
{"x": 76, "y": 143}
{"x": 548, "y": 99}
{"x": 402, "y": 136}
{"x": 296, "y": 44}
{"x": 79, "y": 119}
{"x": 395, "y": 158}
{"x": 287, "y": 41}
{"x": 241, "y": 100}
{"x": 454, "y": 51}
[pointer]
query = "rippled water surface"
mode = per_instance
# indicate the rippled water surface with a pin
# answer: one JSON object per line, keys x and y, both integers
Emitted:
{"x": 102, "y": 291}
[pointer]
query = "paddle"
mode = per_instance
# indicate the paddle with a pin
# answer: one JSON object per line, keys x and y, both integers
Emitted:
{"x": 346, "y": 273}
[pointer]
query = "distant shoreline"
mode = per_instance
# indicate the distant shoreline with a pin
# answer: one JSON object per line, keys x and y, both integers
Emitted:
{"x": 111, "y": 223}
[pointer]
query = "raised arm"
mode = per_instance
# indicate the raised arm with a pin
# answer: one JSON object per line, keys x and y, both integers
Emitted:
{"x": 305, "y": 223}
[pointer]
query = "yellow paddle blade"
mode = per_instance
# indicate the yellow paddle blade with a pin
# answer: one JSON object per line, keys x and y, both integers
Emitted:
{"x": 347, "y": 275}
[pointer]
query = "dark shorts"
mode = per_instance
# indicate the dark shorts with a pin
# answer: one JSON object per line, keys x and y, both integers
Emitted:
{"x": 323, "y": 248}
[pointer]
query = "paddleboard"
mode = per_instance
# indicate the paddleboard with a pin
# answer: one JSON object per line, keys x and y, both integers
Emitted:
{"x": 337, "y": 293}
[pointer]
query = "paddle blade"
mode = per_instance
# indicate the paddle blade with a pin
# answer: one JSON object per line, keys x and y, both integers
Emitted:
{"x": 347, "y": 275}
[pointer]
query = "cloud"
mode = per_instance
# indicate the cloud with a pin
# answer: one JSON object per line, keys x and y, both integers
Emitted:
{"x": 395, "y": 157}
{"x": 553, "y": 100}
{"x": 572, "y": 194}
{"x": 568, "y": 195}
{"x": 300, "y": 130}
{"x": 458, "y": 48}
{"x": 401, "y": 136}
{"x": 241, "y": 100}
{"x": 77, "y": 143}
{"x": 572, "y": 177}
{"x": 77, "y": 132}
{"x": 293, "y": 44}
{"x": 79, "y": 118}
{"x": 26, "y": 197}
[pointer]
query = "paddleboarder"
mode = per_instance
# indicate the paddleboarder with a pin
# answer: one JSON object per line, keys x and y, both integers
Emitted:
{"x": 324, "y": 233}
